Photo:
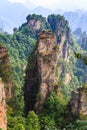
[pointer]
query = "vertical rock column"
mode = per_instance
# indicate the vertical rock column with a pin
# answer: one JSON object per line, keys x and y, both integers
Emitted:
{"x": 5, "y": 71}
{"x": 78, "y": 102}
{"x": 41, "y": 78}
{"x": 5, "y": 85}
{"x": 47, "y": 59}
{"x": 3, "y": 120}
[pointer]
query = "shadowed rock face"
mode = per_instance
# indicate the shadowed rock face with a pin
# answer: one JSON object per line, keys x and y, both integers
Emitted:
{"x": 78, "y": 102}
{"x": 62, "y": 31}
{"x": 41, "y": 77}
{"x": 31, "y": 84}
{"x": 83, "y": 40}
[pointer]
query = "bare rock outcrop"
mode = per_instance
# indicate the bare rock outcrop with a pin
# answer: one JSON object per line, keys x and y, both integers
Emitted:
{"x": 5, "y": 71}
{"x": 35, "y": 24}
{"x": 3, "y": 119}
{"x": 41, "y": 77}
{"x": 5, "y": 85}
{"x": 43, "y": 70}
{"x": 78, "y": 102}
{"x": 62, "y": 31}
{"x": 47, "y": 57}
{"x": 63, "y": 55}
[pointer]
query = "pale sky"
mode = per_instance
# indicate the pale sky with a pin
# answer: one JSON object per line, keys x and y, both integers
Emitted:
{"x": 55, "y": 4}
{"x": 18, "y": 1}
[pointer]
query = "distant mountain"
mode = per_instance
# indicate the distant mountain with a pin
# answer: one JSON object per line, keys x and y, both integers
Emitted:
{"x": 58, "y": 11}
{"x": 73, "y": 19}
{"x": 41, "y": 11}
{"x": 14, "y": 14}
{"x": 77, "y": 19}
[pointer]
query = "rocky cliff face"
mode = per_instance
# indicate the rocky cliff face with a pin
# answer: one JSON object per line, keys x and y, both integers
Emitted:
{"x": 43, "y": 69}
{"x": 35, "y": 24}
{"x": 64, "y": 60}
{"x": 47, "y": 57}
{"x": 78, "y": 102}
{"x": 5, "y": 71}
{"x": 5, "y": 85}
{"x": 31, "y": 87}
{"x": 3, "y": 119}
{"x": 60, "y": 28}
{"x": 83, "y": 41}
{"x": 41, "y": 78}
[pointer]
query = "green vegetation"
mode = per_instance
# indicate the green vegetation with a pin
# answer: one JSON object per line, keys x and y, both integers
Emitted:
{"x": 84, "y": 85}
{"x": 56, "y": 47}
{"x": 31, "y": 122}
{"x": 21, "y": 44}
{"x": 31, "y": 30}
{"x": 56, "y": 114}
{"x": 35, "y": 17}
{"x": 54, "y": 21}
{"x": 5, "y": 67}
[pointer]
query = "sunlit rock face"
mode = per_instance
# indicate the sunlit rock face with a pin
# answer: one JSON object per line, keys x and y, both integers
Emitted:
{"x": 5, "y": 85}
{"x": 34, "y": 24}
{"x": 41, "y": 78}
{"x": 3, "y": 119}
{"x": 47, "y": 57}
{"x": 43, "y": 70}
{"x": 5, "y": 71}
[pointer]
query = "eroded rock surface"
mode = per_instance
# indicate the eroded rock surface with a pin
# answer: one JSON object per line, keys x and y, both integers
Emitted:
{"x": 41, "y": 77}
{"x": 5, "y": 85}
{"x": 44, "y": 71}
{"x": 3, "y": 119}
{"x": 78, "y": 102}
{"x": 5, "y": 71}
{"x": 34, "y": 24}
{"x": 47, "y": 57}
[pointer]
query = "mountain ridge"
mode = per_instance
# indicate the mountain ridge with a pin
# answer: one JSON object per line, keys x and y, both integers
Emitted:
{"x": 8, "y": 19}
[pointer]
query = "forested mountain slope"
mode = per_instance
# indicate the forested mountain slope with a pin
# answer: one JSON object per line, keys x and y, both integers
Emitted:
{"x": 70, "y": 72}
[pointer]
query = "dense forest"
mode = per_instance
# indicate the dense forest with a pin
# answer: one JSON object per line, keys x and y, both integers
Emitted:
{"x": 21, "y": 45}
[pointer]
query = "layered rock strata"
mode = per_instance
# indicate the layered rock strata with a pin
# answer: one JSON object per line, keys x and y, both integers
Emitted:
{"x": 78, "y": 102}
{"x": 41, "y": 78}
{"x": 5, "y": 85}
{"x": 3, "y": 119}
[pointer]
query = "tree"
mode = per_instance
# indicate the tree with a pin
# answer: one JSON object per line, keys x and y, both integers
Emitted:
{"x": 19, "y": 126}
{"x": 47, "y": 122}
{"x": 32, "y": 121}
{"x": 54, "y": 114}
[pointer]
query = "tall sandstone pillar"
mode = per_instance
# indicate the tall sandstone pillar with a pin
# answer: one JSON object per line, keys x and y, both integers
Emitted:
{"x": 3, "y": 119}
{"x": 47, "y": 57}
{"x": 5, "y": 85}
{"x": 41, "y": 78}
